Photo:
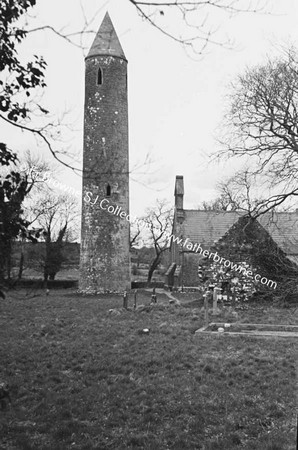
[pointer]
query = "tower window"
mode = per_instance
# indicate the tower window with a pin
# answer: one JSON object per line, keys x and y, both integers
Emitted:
{"x": 108, "y": 191}
{"x": 99, "y": 76}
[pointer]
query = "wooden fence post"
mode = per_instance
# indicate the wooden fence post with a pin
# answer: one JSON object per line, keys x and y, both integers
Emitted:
{"x": 215, "y": 294}
{"x": 125, "y": 300}
{"x": 206, "y": 306}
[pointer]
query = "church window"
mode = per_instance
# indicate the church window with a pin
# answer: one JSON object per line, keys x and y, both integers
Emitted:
{"x": 108, "y": 191}
{"x": 99, "y": 76}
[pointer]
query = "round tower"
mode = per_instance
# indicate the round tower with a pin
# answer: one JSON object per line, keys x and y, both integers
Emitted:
{"x": 104, "y": 256}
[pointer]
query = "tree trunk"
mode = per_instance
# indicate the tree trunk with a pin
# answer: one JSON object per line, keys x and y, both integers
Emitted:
{"x": 8, "y": 261}
{"x": 45, "y": 269}
{"x": 153, "y": 267}
{"x": 21, "y": 264}
{"x": 53, "y": 255}
{"x": 2, "y": 267}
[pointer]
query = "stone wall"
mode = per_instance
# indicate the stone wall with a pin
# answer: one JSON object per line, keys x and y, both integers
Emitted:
{"x": 191, "y": 262}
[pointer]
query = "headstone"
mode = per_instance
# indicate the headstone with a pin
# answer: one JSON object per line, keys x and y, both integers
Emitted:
{"x": 215, "y": 297}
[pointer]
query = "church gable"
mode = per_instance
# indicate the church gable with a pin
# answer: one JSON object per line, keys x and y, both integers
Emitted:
{"x": 267, "y": 246}
{"x": 247, "y": 240}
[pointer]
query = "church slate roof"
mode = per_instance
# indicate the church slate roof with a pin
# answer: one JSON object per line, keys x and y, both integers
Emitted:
{"x": 106, "y": 42}
{"x": 283, "y": 228}
{"x": 206, "y": 227}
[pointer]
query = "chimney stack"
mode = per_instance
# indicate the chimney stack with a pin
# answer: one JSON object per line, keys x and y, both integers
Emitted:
{"x": 179, "y": 193}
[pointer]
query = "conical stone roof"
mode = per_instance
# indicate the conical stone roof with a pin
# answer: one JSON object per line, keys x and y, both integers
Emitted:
{"x": 106, "y": 42}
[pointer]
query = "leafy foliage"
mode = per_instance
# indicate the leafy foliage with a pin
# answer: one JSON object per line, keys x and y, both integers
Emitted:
{"x": 13, "y": 189}
{"x": 56, "y": 216}
{"x": 6, "y": 157}
{"x": 249, "y": 244}
{"x": 17, "y": 79}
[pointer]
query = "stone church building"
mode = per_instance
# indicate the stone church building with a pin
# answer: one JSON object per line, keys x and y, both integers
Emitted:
{"x": 208, "y": 228}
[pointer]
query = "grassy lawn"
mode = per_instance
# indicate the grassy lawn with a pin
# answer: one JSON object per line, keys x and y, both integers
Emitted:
{"x": 82, "y": 377}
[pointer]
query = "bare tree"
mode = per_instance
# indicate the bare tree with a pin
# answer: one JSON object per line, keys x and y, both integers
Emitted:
{"x": 57, "y": 216}
{"x": 159, "y": 220}
{"x": 194, "y": 23}
{"x": 22, "y": 85}
{"x": 135, "y": 235}
{"x": 240, "y": 192}
{"x": 236, "y": 193}
{"x": 263, "y": 124}
{"x": 36, "y": 171}
{"x": 243, "y": 191}
{"x": 220, "y": 203}
{"x": 190, "y": 23}
{"x": 17, "y": 183}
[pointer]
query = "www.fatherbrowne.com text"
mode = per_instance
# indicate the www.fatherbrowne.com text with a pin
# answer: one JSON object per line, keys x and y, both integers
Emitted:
{"x": 117, "y": 210}
{"x": 183, "y": 243}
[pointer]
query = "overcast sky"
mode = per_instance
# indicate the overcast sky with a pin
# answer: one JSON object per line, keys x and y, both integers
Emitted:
{"x": 176, "y": 102}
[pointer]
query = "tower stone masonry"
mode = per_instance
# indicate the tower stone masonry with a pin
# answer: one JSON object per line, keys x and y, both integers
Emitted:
{"x": 104, "y": 255}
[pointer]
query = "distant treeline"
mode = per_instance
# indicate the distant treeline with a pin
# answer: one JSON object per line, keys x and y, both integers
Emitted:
{"x": 34, "y": 254}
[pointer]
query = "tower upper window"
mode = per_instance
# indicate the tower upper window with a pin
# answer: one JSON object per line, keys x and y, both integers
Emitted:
{"x": 99, "y": 76}
{"x": 108, "y": 191}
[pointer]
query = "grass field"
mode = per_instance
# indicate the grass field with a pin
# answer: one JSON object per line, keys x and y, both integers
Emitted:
{"x": 82, "y": 377}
